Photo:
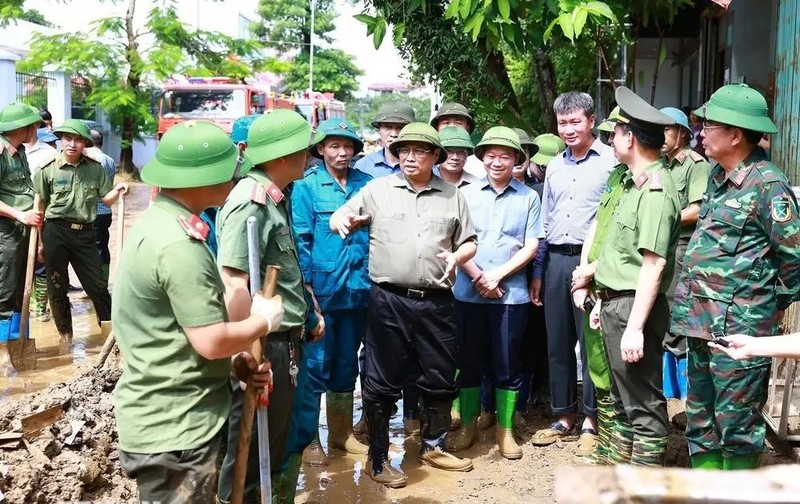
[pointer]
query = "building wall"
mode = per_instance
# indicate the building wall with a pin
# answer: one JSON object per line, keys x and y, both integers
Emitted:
{"x": 668, "y": 86}
{"x": 752, "y": 39}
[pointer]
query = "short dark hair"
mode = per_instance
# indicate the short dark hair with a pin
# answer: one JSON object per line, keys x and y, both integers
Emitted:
{"x": 752, "y": 137}
{"x": 650, "y": 139}
{"x": 97, "y": 138}
{"x": 568, "y": 102}
{"x": 45, "y": 115}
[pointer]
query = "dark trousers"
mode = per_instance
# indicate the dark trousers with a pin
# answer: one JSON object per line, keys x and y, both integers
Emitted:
{"x": 533, "y": 354}
{"x": 13, "y": 255}
{"x": 490, "y": 341}
{"x": 101, "y": 226}
{"x": 281, "y": 400}
{"x": 564, "y": 330}
{"x": 177, "y": 477}
{"x": 672, "y": 342}
{"x": 402, "y": 331}
{"x": 636, "y": 389}
{"x": 62, "y": 247}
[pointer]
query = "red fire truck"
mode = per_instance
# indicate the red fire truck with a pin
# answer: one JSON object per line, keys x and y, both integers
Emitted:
{"x": 216, "y": 99}
{"x": 316, "y": 107}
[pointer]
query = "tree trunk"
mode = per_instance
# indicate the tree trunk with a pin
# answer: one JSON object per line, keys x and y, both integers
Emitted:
{"x": 129, "y": 126}
{"x": 495, "y": 62}
{"x": 546, "y": 86}
{"x": 658, "y": 65}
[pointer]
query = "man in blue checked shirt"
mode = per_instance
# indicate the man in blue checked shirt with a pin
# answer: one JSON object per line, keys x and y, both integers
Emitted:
{"x": 336, "y": 272}
{"x": 491, "y": 290}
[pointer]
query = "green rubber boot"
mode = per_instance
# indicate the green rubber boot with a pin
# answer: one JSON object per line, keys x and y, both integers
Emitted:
{"x": 284, "y": 494}
{"x": 648, "y": 451}
{"x": 506, "y": 405}
{"x": 466, "y": 435}
{"x": 621, "y": 442}
{"x": 605, "y": 427}
{"x": 707, "y": 460}
{"x": 740, "y": 462}
{"x": 455, "y": 410}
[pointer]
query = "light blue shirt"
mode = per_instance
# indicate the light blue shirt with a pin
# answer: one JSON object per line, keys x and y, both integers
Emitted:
{"x": 375, "y": 165}
{"x": 503, "y": 222}
{"x": 107, "y": 162}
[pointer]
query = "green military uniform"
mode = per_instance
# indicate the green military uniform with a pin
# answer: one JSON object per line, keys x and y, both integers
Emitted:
{"x": 69, "y": 195}
{"x": 742, "y": 268}
{"x": 16, "y": 191}
{"x": 274, "y": 135}
{"x": 170, "y": 402}
{"x": 596, "y": 354}
{"x": 646, "y": 219}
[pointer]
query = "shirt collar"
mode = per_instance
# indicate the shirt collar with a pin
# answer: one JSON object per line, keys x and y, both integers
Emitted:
{"x": 61, "y": 161}
{"x": 399, "y": 180}
{"x": 514, "y": 185}
{"x": 595, "y": 148}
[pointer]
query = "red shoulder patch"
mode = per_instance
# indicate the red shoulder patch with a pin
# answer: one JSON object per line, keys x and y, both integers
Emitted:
{"x": 275, "y": 194}
{"x": 259, "y": 194}
{"x": 641, "y": 180}
{"x": 194, "y": 227}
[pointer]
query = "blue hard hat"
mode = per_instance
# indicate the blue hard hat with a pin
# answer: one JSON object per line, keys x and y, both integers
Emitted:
{"x": 45, "y": 135}
{"x": 336, "y": 128}
{"x": 678, "y": 115}
{"x": 241, "y": 127}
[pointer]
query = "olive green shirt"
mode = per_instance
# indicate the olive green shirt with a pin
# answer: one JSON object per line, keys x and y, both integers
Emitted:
{"x": 690, "y": 172}
{"x": 409, "y": 228}
{"x": 612, "y": 194}
{"x": 647, "y": 218}
{"x": 16, "y": 187}
{"x": 71, "y": 192}
{"x": 168, "y": 398}
{"x": 276, "y": 241}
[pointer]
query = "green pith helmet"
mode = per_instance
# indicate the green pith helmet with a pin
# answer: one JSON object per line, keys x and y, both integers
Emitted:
{"x": 394, "y": 112}
{"x": 456, "y": 138}
{"x": 18, "y": 115}
{"x": 419, "y": 132}
{"x": 194, "y": 154}
{"x": 550, "y": 146}
{"x": 241, "y": 126}
{"x": 501, "y": 136}
{"x": 738, "y": 105}
{"x": 330, "y": 128}
{"x": 75, "y": 127}
{"x": 527, "y": 143}
{"x": 453, "y": 109}
{"x": 278, "y": 133}
{"x": 608, "y": 124}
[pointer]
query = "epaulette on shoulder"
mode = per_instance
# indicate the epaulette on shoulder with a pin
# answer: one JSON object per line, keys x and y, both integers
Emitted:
{"x": 655, "y": 182}
{"x": 696, "y": 157}
{"x": 260, "y": 193}
{"x": 769, "y": 172}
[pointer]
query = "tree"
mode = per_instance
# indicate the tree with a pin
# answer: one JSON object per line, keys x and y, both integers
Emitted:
{"x": 364, "y": 110}
{"x": 286, "y": 27}
{"x": 119, "y": 62}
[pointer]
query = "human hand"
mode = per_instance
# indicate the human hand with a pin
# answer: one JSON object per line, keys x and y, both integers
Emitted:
{"x": 594, "y": 316}
{"x": 123, "y": 188}
{"x": 271, "y": 309}
{"x": 318, "y": 332}
{"x": 344, "y": 223}
{"x": 582, "y": 276}
{"x": 579, "y": 297}
{"x": 30, "y": 218}
{"x": 247, "y": 370}
{"x": 450, "y": 263}
{"x": 632, "y": 345}
{"x": 535, "y": 291}
{"x": 740, "y": 346}
{"x": 40, "y": 252}
{"x": 492, "y": 279}
{"x": 495, "y": 293}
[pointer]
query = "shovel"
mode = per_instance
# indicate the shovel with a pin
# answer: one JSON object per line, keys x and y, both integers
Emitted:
{"x": 110, "y": 340}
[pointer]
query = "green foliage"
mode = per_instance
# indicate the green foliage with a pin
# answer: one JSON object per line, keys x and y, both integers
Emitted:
{"x": 364, "y": 110}
{"x": 286, "y": 27}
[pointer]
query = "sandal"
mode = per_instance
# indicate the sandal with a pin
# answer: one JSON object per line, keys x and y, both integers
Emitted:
{"x": 556, "y": 432}
{"x": 587, "y": 443}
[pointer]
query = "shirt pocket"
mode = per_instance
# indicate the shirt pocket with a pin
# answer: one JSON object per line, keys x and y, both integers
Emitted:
{"x": 90, "y": 192}
{"x": 392, "y": 228}
{"x": 625, "y": 223}
{"x": 322, "y": 216}
{"x": 712, "y": 300}
{"x": 323, "y": 278}
{"x": 727, "y": 225}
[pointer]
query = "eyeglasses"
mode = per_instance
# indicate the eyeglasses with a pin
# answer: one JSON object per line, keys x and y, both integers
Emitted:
{"x": 458, "y": 152}
{"x": 708, "y": 126}
{"x": 417, "y": 152}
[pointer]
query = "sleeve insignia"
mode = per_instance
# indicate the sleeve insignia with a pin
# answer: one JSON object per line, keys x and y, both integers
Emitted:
{"x": 194, "y": 227}
{"x": 781, "y": 209}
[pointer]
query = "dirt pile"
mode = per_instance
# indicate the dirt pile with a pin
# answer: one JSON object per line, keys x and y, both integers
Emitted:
{"x": 75, "y": 457}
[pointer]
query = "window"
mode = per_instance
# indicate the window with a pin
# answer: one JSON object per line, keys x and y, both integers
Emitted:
{"x": 191, "y": 104}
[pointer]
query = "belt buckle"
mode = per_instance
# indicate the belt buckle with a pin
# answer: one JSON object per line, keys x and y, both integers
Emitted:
{"x": 415, "y": 293}
{"x": 76, "y": 227}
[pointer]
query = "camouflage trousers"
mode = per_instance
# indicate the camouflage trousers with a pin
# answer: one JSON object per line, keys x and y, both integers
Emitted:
{"x": 724, "y": 401}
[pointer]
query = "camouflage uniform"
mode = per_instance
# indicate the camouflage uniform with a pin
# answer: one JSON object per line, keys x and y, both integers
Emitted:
{"x": 742, "y": 267}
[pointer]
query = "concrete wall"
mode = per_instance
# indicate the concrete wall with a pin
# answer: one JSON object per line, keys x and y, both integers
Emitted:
{"x": 668, "y": 86}
{"x": 752, "y": 37}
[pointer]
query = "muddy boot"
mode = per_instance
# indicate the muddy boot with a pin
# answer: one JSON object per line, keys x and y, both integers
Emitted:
{"x": 520, "y": 424}
{"x": 378, "y": 467}
{"x": 740, "y": 462}
{"x": 455, "y": 414}
{"x": 436, "y": 457}
{"x": 290, "y": 477}
{"x": 412, "y": 427}
{"x": 105, "y": 329}
{"x": 435, "y": 422}
{"x": 467, "y": 434}
{"x": 621, "y": 442}
{"x": 65, "y": 343}
{"x": 707, "y": 460}
{"x": 6, "y": 367}
{"x": 360, "y": 427}
{"x": 605, "y": 425}
{"x": 648, "y": 451}
{"x": 486, "y": 420}
{"x": 506, "y": 404}
{"x": 340, "y": 424}
{"x": 314, "y": 455}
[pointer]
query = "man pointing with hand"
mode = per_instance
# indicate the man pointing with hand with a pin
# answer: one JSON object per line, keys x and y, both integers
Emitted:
{"x": 420, "y": 230}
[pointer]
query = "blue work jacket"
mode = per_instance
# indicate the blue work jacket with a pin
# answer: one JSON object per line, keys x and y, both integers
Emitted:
{"x": 336, "y": 269}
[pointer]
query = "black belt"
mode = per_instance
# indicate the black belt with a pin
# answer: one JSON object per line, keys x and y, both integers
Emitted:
{"x": 75, "y": 226}
{"x": 569, "y": 250}
{"x": 609, "y": 294}
{"x": 412, "y": 293}
{"x": 294, "y": 333}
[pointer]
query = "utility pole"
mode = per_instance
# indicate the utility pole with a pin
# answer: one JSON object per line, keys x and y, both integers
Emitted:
{"x": 311, "y": 49}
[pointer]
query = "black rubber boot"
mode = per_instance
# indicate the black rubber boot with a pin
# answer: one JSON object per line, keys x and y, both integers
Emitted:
{"x": 378, "y": 466}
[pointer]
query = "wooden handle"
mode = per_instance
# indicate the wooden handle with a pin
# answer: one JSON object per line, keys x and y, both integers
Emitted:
{"x": 33, "y": 243}
{"x": 270, "y": 281}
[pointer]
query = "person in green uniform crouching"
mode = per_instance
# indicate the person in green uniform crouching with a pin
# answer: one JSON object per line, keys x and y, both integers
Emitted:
{"x": 634, "y": 270}
{"x": 172, "y": 325}
{"x": 277, "y": 143}
{"x": 70, "y": 187}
